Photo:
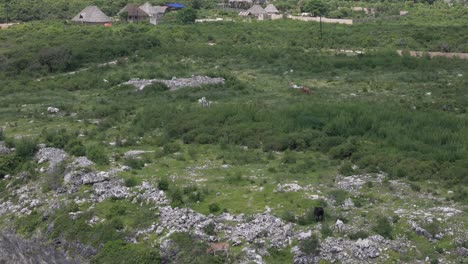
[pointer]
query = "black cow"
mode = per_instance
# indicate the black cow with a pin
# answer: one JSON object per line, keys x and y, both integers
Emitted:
{"x": 318, "y": 213}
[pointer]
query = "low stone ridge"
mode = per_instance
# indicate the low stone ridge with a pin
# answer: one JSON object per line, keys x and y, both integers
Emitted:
{"x": 176, "y": 83}
{"x": 343, "y": 250}
{"x": 355, "y": 182}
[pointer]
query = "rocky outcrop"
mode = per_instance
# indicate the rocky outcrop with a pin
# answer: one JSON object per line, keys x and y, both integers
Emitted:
{"x": 150, "y": 195}
{"x": 176, "y": 83}
{"x": 3, "y": 149}
{"x": 343, "y": 250}
{"x": 54, "y": 156}
{"x": 109, "y": 189}
{"x": 355, "y": 182}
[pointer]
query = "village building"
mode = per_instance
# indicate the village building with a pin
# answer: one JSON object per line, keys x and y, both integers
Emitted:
{"x": 255, "y": 11}
{"x": 133, "y": 13}
{"x": 92, "y": 15}
{"x": 271, "y": 9}
{"x": 155, "y": 13}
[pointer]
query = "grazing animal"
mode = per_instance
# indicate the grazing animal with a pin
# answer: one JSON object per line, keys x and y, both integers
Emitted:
{"x": 305, "y": 90}
{"x": 318, "y": 213}
{"x": 216, "y": 247}
{"x": 339, "y": 225}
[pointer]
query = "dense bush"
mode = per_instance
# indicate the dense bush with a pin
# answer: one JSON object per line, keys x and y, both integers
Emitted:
{"x": 163, "y": 184}
{"x": 134, "y": 163}
{"x": 25, "y": 147}
{"x": 383, "y": 227}
{"x": 97, "y": 154}
{"x": 8, "y": 164}
{"x": 214, "y": 207}
{"x": 310, "y": 245}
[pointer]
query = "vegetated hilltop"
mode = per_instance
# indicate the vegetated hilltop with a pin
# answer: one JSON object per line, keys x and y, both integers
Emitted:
{"x": 102, "y": 172}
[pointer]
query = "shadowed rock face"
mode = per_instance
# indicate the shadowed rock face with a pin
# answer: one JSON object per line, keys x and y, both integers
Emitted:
{"x": 14, "y": 249}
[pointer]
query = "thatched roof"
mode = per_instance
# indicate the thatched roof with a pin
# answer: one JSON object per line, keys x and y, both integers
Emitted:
{"x": 159, "y": 9}
{"x": 256, "y": 10}
{"x": 147, "y": 7}
{"x": 271, "y": 9}
{"x": 134, "y": 11}
{"x": 92, "y": 14}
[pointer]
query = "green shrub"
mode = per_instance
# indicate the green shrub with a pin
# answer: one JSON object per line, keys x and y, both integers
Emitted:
{"x": 131, "y": 182}
{"x": 210, "y": 229}
{"x": 383, "y": 227}
{"x": 187, "y": 15}
{"x": 289, "y": 216}
{"x": 358, "y": 234}
{"x": 339, "y": 196}
{"x": 97, "y": 154}
{"x": 25, "y": 147}
{"x": 134, "y": 163}
{"x": 289, "y": 158}
{"x": 8, "y": 164}
{"x": 163, "y": 184}
{"x": 155, "y": 88}
{"x": 170, "y": 148}
{"x": 54, "y": 177}
{"x": 326, "y": 231}
{"x": 310, "y": 246}
{"x": 76, "y": 148}
{"x": 214, "y": 207}
{"x": 2, "y": 134}
{"x": 308, "y": 217}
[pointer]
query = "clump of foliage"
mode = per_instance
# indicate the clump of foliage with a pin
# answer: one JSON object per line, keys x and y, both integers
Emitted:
{"x": 8, "y": 164}
{"x": 308, "y": 217}
{"x": 326, "y": 231}
{"x": 213, "y": 207}
{"x": 289, "y": 216}
{"x": 339, "y": 195}
{"x": 25, "y": 147}
{"x": 134, "y": 163}
{"x": 163, "y": 184}
{"x": 187, "y": 15}
{"x": 358, "y": 234}
{"x": 383, "y": 227}
{"x": 131, "y": 182}
{"x": 210, "y": 229}
{"x": 310, "y": 246}
{"x": 54, "y": 177}
{"x": 97, "y": 154}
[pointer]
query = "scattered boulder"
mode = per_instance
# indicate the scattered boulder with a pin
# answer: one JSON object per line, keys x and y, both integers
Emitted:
{"x": 52, "y": 110}
{"x": 110, "y": 189}
{"x": 80, "y": 162}
{"x": 3, "y": 149}
{"x": 53, "y": 155}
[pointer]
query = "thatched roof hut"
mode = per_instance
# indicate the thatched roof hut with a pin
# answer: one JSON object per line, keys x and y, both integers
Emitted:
{"x": 256, "y": 10}
{"x": 134, "y": 13}
{"x": 92, "y": 15}
{"x": 271, "y": 9}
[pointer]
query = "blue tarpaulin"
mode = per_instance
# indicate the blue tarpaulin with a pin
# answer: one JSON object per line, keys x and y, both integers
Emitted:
{"x": 175, "y": 5}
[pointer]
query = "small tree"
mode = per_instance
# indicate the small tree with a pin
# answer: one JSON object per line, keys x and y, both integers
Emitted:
{"x": 316, "y": 8}
{"x": 55, "y": 58}
{"x": 187, "y": 15}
